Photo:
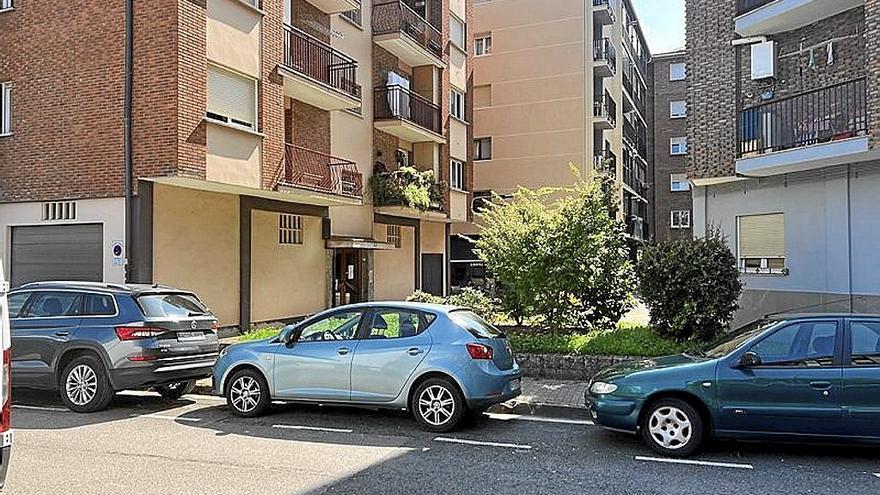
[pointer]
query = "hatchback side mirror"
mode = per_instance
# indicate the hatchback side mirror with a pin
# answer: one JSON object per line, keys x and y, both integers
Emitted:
{"x": 750, "y": 360}
{"x": 288, "y": 335}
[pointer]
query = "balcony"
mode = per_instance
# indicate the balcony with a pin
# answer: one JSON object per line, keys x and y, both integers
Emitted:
{"x": 315, "y": 171}
{"x": 409, "y": 192}
{"x": 603, "y": 11}
{"x": 605, "y": 161}
{"x": 759, "y": 17}
{"x": 406, "y": 34}
{"x": 318, "y": 74}
{"x": 635, "y": 211}
{"x": 406, "y": 115}
{"x": 335, "y": 6}
{"x": 604, "y": 58}
{"x": 635, "y": 136}
{"x": 604, "y": 112}
{"x": 815, "y": 129}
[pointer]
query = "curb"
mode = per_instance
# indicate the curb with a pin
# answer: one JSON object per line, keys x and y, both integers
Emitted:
{"x": 541, "y": 409}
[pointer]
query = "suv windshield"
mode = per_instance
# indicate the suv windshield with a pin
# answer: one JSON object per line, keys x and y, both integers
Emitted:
{"x": 477, "y": 326}
{"x": 171, "y": 305}
{"x": 733, "y": 340}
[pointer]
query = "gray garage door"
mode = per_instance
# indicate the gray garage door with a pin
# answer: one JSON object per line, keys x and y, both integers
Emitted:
{"x": 57, "y": 252}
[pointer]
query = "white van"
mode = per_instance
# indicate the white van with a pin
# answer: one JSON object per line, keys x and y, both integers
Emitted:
{"x": 5, "y": 384}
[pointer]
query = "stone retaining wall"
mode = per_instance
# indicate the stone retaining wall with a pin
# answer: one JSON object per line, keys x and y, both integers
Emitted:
{"x": 566, "y": 367}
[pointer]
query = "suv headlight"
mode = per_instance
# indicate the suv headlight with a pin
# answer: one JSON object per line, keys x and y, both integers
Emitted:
{"x": 602, "y": 388}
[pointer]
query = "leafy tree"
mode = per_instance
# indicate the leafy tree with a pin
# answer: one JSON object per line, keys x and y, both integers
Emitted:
{"x": 691, "y": 286}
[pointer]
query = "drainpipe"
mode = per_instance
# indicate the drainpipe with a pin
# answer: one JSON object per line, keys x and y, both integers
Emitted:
{"x": 849, "y": 234}
{"x": 127, "y": 148}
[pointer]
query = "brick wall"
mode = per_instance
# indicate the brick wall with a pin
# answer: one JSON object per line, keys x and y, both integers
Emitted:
{"x": 272, "y": 114}
{"x": 192, "y": 91}
{"x": 872, "y": 67}
{"x": 311, "y": 127}
{"x": 664, "y": 164}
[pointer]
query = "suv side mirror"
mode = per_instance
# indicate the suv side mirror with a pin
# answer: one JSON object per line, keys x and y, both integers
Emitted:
{"x": 750, "y": 360}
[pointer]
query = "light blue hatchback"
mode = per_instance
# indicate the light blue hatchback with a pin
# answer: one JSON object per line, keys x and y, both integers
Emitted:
{"x": 439, "y": 362}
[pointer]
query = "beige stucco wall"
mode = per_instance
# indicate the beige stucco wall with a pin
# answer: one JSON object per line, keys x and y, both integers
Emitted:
{"x": 233, "y": 36}
{"x": 457, "y": 7}
{"x": 457, "y": 68}
{"x": 393, "y": 270}
{"x": 433, "y": 237}
{"x": 233, "y": 156}
{"x": 457, "y": 139}
{"x": 286, "y": 280}
{"x": 458, "y": 205}
{"x": 195, "y": 246}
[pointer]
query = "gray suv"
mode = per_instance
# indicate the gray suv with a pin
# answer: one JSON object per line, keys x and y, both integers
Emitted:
{"x": 89, "y": 340}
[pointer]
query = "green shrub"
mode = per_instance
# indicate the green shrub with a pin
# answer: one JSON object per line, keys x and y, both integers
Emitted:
{"x": 690, "y": 286}
{"x": 425, "y": 297}
{"x": 478, "y": 301}
{"x": 259, "y": 334}
{"x": 622, "y": 341}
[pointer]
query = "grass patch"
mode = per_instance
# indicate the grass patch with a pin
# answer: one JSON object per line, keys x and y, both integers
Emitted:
{"x": 259, "y": 334}
{"x": 625, "y": 340}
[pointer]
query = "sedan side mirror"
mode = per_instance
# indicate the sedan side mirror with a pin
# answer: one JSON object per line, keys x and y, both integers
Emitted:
{"x": 750, "y": 360}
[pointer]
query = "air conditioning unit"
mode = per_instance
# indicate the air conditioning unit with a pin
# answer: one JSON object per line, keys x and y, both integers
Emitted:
{"x": 763, "y": 60}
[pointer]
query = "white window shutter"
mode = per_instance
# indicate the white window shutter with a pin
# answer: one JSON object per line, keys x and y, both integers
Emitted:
{"x": 231, "y": 95}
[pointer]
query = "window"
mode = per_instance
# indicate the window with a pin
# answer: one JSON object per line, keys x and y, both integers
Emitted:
{"x": 100, "y": 305}
{"x": 16, "y": 301}
{"x": 809, "y": 344}
{"x": 338, "y": 326}
{"x": 53, "y": 304}
{"x": 483, "y": 45}
{"x": 290, "y": 229}
{"x": 483, "y": 96}
{"x": 232, "y": 98}
{"x": 865, "y": 347}
{"x": 397, "y": 323}
{"x": 680, "y": 219}
{"x": 392, "y": 235}
{"x": 5, "y": 4}
{"x": 5, "y": 108}
{"x": 761, "y": 241}
{"x": 456, "y": 172}
{"x": 678, "y": 146}
{"x": 679, "y": 183}
{"x": 355, "y": 16}
{"x": 677, "y": 109}
{"x": 457, "y": 32}
{"x": 171, "y": 305}
{"x": 483, "y": 148}
{"x": 677, "y": 71}
{"x": 456, "y": 104}
{"x": 477, "y": 326}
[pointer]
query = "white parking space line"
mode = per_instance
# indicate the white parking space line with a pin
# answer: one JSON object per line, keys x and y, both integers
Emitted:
{"x": 694, "y": 462}
{"x": 313, "y": 428}
{"x": 877, "y": 475}
{"x": 40, "y": 408}
{"x": 163, "y": 416}
{"x": 539, "y": 419}
{"x": 484, "y": 444}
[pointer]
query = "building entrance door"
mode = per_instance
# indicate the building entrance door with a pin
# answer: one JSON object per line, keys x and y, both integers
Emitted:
{"x": 347, "y": 277}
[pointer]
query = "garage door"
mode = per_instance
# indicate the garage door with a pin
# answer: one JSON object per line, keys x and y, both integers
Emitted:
{"x": 57, "y": 252}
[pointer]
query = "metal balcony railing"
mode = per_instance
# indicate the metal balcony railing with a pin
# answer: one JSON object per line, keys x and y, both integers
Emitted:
{"x": 396, "y": 16}
{"x": 603, "y": 50}
{"x": 310, "y": 169}
{"x": 819, "y": 116}
{"x": 321, "y": 62}
{"x": 605, "y": 107}
{"x": 397, "y": 102}
{"x": 746, "y": 6}
{"x": 391, "y": 189}
{"x": 605, "y": 161}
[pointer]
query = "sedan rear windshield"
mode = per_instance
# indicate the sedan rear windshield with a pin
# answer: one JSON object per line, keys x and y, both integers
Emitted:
{"x": 171, "y": 305}
{"x": 474, "y": 324}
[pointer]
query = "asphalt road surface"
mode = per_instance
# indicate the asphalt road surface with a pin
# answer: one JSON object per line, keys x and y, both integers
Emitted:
{"x": 145, "y": 445}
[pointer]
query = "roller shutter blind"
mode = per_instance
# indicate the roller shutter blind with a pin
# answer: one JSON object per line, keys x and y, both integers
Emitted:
{"x": 762, "y": 236}
{"x": 231, "y": 97}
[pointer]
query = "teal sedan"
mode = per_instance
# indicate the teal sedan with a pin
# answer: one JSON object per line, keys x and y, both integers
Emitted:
{"x": 811, "y": 377}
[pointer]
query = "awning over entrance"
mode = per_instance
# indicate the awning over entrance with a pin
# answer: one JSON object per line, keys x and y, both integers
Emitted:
{"x": 357, "y": 243}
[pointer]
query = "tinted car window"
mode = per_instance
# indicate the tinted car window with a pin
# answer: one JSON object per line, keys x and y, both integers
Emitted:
{"x": 171, "y": 305}
{"x": 865, "y": 343}
{"x": 16, "y": 301}
{"x": 99, "y": 305}
{"x": 338, "y": 326}
{"x": 396, "y": 323}
{"x": 799, "y": 344}
{"x": 732, "y": 341}
{"x": 53, "y": 304}
{"x": 477, "y": 326}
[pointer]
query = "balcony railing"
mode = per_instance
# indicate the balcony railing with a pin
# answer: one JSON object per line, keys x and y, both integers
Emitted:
{"x": 603, "y": 50}
{"x": 607, "y": 6}
{"x": 396, "y": 16}
{"x": 310, "y": 169}
{"x": 397, "y": 102}
{"x": 605, "y": 107}
{"x": 746, "y": 6}
{"x": 637, "y": 136}
{"x": 319, "y": 61}
{"x": 409, "y": 187}
{"x": 605, "y": 161}
{"x": 827, "y": 114}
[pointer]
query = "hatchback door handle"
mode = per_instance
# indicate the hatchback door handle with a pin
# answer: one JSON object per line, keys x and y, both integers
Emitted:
{"x": 415, "y": 351}
{"x": 343, "y": 351}
{"x": 821, "y": 385}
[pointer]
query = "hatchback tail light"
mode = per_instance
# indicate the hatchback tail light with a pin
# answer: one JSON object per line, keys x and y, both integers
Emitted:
{"x": 135, "y": 333}
{"x": 6, "y": 397}
{"x": 479, "y": 351}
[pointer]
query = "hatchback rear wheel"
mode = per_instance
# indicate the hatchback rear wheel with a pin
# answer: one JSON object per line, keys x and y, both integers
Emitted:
{"x": 247, "y": 393}
{"x": 84, "y": 385}
{"x": 438, "y": 405}
{"x": 673, "y": 427}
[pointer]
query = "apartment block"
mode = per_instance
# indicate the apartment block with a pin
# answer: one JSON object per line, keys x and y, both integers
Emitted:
{"x": 669, "y": 189}
{"x": 271, "y": 142}
{"x": 558, "y": 84}
{"x": 782, "y": 127}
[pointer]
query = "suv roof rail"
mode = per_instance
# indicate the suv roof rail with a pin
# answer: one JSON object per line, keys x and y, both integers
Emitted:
{"x": 51, "y": 283}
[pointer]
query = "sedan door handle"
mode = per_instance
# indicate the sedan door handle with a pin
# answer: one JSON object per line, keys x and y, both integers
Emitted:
{"x": 62, "y": 334}
{"x": 821, "y": 385}
{"x": 343, "y": 351}
{"x": 415, "y": 351}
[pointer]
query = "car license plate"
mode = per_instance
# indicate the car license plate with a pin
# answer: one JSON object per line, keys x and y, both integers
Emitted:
{"x": 190, "y": 336}
{"x": 515, "y": 384}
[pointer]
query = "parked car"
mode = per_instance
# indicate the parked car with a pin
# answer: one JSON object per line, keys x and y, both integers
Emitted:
{"x": 89, "y": 340}
{"x": 5, "y": 382}
{"x": 438, "y": 362}
{"x": 796, "y": 377}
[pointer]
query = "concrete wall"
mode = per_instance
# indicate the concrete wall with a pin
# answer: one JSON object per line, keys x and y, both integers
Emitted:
{"x": 107, "y": 211}
{"x": 233, "y": 36}
{"x": 393, "y": 270}
{"x": 196, "y": 246}
{"x": 233, "y": 156}
{"x": 286, "y": 279}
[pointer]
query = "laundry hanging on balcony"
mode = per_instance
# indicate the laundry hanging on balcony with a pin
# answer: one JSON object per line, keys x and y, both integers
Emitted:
{"x": 398, "y": 95}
